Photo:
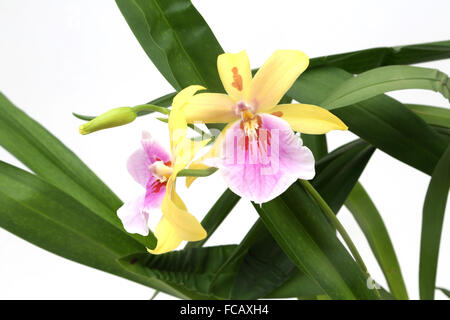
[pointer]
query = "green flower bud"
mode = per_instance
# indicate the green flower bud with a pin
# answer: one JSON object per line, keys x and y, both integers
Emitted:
{"x": 112, "y": 118}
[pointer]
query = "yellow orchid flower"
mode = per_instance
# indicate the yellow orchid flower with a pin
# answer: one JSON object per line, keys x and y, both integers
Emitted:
{"x": 157, "y": 170}
{"x": 260, "y": 154}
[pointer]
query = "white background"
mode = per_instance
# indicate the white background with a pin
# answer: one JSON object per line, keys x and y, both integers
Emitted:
{"x": 59, "y": 56}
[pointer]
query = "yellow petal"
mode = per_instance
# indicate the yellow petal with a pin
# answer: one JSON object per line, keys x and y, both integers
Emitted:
{"x": 214, "y": 152}
{"x": 185, "y": 225}
{"x": 177, "y": 122}
{"x": 168, "y": 239}
{"x": 185, "y": 152}
{"x": 309, "y": 119}
{"x": 235, "y": 73}
{"x": 210, "y": 108}
{"x": 275, "y": 78}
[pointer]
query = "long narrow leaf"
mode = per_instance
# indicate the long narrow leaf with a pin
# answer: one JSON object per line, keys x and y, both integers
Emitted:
{"x": 382, "y": 121}
{"x": 299, "y": 245}
{"x": 177, "y": 39}
{"x": 385, "y": 79}
{"x": 432, "y": 115}
{"x": 38, "y": 212}
{"x": 191, "y": 270}
{"x": 372, "y": 225}
{"x": 432, "y": 220}
{"x": 363, "y": 60}
{"x": 45, "y": 155}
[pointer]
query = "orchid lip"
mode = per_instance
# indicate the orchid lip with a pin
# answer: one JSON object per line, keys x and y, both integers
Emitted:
{"x": 160, "y": 170}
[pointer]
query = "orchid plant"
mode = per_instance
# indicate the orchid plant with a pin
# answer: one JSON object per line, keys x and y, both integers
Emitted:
{"x": 266, "y": 136}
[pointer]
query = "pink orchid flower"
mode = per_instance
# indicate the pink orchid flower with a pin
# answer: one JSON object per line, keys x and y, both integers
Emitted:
{"x": 156, "y": 170}
{"x": 260, "y": 155}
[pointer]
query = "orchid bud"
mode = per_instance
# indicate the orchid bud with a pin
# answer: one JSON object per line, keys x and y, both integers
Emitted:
{"x": 112, "y": 118}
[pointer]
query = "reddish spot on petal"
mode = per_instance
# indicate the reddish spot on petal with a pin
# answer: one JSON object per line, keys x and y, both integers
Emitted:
{"x": 134, "y": 260}
{"x": 237, "y": 79}
{"x": 277, "y": 114}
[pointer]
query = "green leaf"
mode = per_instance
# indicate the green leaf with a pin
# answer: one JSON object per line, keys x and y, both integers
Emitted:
{"x": 310, "y": 242}
{"x": 432, "y": 219}
{"x": 38, "y": 212}
{"x": 339, "y": 171}
{"x": 45, "y": 155}
{"x": 363, "y": 60}
{"x": 216, "y": 215}
{"x": 385, "y": 79}
{"x": 372, "y": 225}
{"x": 190, "y": 270}
{"x": 262, "y": 269}
{"x": 317, "y": 143}
{"x": 298, "y": 244}
{"x": 382, "y": 121}
{"x": 353, "y": 158}
{"x": 432, "y": 115}
{"x": 444, "y": 291}
{"x": 177, "y": 40}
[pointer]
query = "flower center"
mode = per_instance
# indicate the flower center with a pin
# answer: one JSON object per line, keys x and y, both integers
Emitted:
{"x": 161, "y": 170}
{"x": 250, "y": 122}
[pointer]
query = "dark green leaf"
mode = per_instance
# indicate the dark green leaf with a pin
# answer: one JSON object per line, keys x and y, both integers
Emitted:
{"x": 38, "y": 212}
{"x": 444, "y": 291}
{"x": 262, "y": 269}
{"x": 216, "y": 215}
{"x": 382, "y": 121}
{"x": 432, "y": 219}
{"x": 317, "y": 143}
{"x": 177, "y": 40}
{"x": 301, "y": 248}
{"x": 372, "y": 225}
{"x": 363, "y": 60}
{"x": 352, "y": 159}
{"x": 189, "y": 270}
{"x": 384, "y": 79}
{"x": 432, "y": 115}
{"x": 45, "y": 155}
{"x": 338, "y": 172}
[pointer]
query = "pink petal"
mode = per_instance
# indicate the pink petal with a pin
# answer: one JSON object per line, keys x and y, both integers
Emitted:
{"x": 133, "y": 216}
{"x": 137, "y": 166}
{"x": 155, "y": 191}
{"x": 263, "y": 168}
{"x": 154, "y": 151}
{"x": 139, "y": 162}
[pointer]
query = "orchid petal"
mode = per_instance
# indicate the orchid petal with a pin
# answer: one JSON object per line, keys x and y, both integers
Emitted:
{"x": 275, "y": 78}
{"x": 174, "y": 210}
{"x": 154, "y": 195}
{"x": 186, "y": 151}
{"x": 155, "y": 152}
{"x": 168, "y": 239}
{"x": 177, "y": 121}
{"x": 133, "y": 216}
{"x": 137, "y": 166}
{"x": 210, "y": 159}
{"x": 210, "y": 108}
{"x": 235, "y": 73}
{"x": 308, "y": 119}
{"x": 263, "y": 168}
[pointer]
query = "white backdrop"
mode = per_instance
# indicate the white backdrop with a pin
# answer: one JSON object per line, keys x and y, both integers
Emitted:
{"x": 59, "y": 56}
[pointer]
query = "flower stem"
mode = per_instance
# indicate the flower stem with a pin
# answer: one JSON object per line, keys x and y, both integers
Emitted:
{"x": 150, "y": 107}
{"x": 196, "y": 172}
{"x": 336, "y": 223}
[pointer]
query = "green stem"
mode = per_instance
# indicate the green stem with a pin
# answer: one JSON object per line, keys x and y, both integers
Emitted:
{"x": 336, "y": 223}
{"x": 196, "y": 172}
{"x": 150, "y": 107}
